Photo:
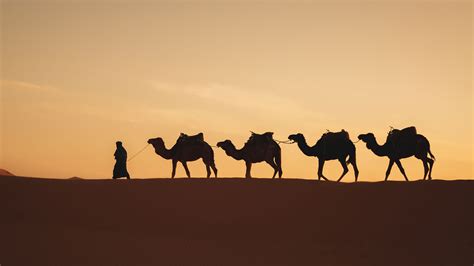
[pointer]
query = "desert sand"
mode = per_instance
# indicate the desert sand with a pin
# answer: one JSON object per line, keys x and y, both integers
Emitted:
{"x": 235, "y": 222}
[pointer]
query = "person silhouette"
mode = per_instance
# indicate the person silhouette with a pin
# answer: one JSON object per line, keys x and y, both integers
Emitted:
{"x": 120, "y": 167}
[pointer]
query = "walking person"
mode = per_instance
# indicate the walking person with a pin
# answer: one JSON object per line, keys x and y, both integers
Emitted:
{"x": 120, "y": 168}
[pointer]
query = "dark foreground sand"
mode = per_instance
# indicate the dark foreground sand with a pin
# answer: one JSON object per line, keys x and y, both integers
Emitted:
{"x": 235, "y": 222}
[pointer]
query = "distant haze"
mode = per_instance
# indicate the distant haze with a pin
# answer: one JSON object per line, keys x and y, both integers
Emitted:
{"x": 79, "y": 75}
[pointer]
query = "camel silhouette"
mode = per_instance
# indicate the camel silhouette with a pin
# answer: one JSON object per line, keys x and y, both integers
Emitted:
{"x": 402, "y": 144}
{"x": 186, "y": 149}
{"x": 259, "y": 148}
{"x": 330, "y": 146}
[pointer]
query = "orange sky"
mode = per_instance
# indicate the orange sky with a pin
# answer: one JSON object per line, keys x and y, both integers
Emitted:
{"x": 79, "y": 75}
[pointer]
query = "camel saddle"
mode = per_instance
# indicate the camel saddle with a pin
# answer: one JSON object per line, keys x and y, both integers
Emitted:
{"x": 406, "y": 135}
{"x": 184, "y": 138}
{"x": 264, "y": 138}
{"x": 330, "y": 136}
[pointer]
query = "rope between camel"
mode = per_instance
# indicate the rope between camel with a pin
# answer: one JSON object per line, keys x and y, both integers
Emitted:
{"x": 284, "y": 142}
{"x": 135, "y": 155}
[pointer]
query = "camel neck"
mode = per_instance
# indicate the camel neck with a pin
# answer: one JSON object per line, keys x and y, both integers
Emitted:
{"x": 378, "y": 150}
{"x": 163, "y": 152}
{"x": 307, "y": 150}
{"x": 234, "y": 153}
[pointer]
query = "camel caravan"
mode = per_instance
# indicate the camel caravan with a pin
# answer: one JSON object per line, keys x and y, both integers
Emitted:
{"x": 399, "y": 144}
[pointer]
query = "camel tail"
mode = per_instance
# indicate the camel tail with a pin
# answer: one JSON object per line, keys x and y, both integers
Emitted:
{"x": 431, "y": 155}
{"x": 429, "y": 150}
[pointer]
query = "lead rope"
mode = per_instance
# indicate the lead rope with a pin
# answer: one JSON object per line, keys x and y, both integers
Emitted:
{"x": 284, "y": 142}
{"x": 138, "y": 153}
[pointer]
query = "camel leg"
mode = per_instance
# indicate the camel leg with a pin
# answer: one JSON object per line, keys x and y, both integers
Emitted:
{"x": 344, "y": 166}
{"x": 426, "y": 169}
{"x": 214, "y": 168}
{"x": 430, "y": 162}
{"x": 273, "y": 165}
{"x": 389, "y": 169}
{"x": 208, "y": 170}
{"x": 278, "y": 163}
{"x": 356, "y": 170}
{"x": 424, "y": 159}
{"x": 210, "y": 163}
{"x": 320, "y": 170}
{"x": 248, "y": 166}
{"x": 173, "y": 172}
{"x": 208, "y": 167}
{"x": 185, "y": 165}
{"x": 399, "y": 164}
{"x": 352, "y": 160}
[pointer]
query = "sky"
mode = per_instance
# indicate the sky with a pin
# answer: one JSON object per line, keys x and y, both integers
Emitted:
{"x": 76, "y": 76}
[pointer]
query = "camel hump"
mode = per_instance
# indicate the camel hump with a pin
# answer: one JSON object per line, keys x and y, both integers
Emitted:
{"x": 341, "y": 135}
{"x": 191, "y": 139}
{"x": 406, "y": 134}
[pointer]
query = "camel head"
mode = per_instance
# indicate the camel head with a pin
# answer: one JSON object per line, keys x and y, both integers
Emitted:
{"x": 225, "y": 145}
{"x": 296, "y": 137}
{"x": 156, "y": 142}
{"x": 368, "y": 138}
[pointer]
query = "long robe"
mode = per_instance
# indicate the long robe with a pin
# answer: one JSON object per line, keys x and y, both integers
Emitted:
{"x": 120, "y": 168}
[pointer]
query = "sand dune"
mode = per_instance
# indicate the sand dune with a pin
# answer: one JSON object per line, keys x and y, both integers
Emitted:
{"x": 4, "y": 172}
{"x": 235, "y": 222}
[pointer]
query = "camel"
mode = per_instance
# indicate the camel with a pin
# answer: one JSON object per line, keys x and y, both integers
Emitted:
{"x": 259, "y": 148}
{"x": 404, "y": 147}
{"x": 331, "y": 146}
{"x": 186, "y": 149}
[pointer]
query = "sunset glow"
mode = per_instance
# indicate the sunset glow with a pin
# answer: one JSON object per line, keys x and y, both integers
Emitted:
{"x": 76, "y": 76}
